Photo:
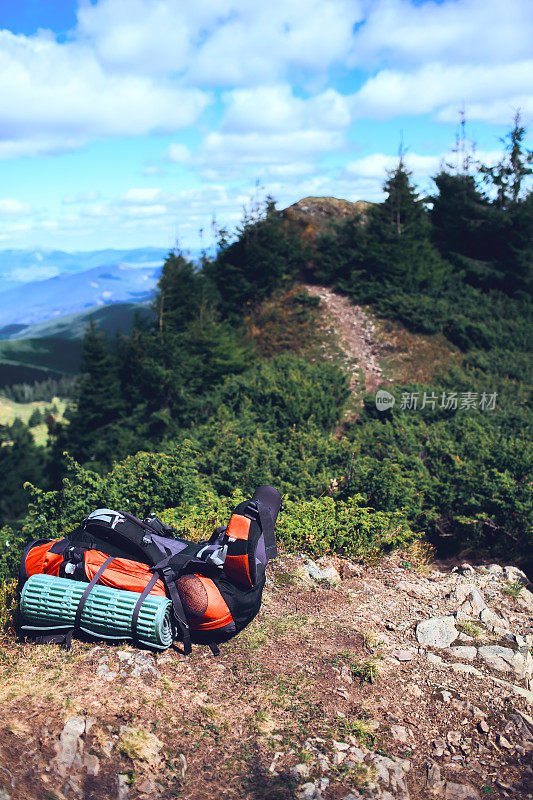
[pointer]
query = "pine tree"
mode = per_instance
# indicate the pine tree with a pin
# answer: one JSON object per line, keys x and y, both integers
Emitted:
{"x": 21, "y": 460}
{"x": 397, "y": 247}
{"x": 98, "y": 404}
{"x": 506, "y": 178}
{"x": 265, "y": 257}
{"x": 181, "y": 291}
{"x": 467, "y": 229}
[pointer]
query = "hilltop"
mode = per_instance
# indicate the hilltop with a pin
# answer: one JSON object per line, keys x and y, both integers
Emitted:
{"x": 312, "y": 216}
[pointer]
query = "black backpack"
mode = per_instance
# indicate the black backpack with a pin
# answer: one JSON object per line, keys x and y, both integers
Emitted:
{"x": 215, "y": 585}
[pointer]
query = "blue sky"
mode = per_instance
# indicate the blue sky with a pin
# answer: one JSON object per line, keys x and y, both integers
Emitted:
{"x": 127, "y": 123}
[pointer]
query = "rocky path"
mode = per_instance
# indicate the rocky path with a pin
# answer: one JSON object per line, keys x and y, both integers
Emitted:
{"x": 356, "y": 333}
{"x": 353, "y": 683}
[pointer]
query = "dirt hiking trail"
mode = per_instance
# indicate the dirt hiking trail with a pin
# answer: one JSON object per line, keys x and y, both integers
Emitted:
{"x": 356, "y": 333}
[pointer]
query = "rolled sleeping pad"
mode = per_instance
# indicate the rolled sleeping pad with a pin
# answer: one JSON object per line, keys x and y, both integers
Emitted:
{"x": 48, "y": 603}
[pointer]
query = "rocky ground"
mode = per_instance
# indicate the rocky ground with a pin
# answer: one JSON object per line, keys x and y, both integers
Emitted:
{"x": 353, "y": 682}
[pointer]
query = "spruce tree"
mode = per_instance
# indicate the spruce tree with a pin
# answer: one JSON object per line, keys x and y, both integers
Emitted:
{"x": 21, "y": 460}
{"x": 264, "y": 257}
{"x": 467, "y": 229}
{"x": 98, "y": 403}
{"x": 398, "y": 249}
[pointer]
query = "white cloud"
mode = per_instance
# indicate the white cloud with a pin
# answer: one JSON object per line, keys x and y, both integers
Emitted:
{"x": 11, "y": 207}
{"x": 435, "y": 87}
{"x": 457, "y": 31}
{"x": 143, "y": 196}
{"x": 276, "y": 108}
{"x": 179, "y": 154}
{"x": 55, "y": 97}
{"x": 374, "y": 168}
{"x": 242, "y": 43}
{"x": 83, "y": 197}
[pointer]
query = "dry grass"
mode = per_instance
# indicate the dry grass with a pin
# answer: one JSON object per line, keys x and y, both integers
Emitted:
{"x": 419, "y": 555}
{"x": 408, "y": 357}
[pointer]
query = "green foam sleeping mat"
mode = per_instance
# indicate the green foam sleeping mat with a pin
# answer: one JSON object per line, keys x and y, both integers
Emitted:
{"x": 48, "y": 602}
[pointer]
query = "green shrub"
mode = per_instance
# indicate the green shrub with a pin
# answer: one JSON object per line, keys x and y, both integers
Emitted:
{"x": 138, "y": 484}
{"x": 325, "y": 525}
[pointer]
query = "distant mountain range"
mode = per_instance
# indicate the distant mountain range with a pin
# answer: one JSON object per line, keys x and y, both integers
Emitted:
{"x": 41, "y": 285}
{"x": 47, "y": 298}
{"x": 68, "y": 294}
{"x": 27, "y": 266}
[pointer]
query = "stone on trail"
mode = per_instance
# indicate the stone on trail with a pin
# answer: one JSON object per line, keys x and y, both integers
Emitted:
{"x": 399, "y": 733}
{"x": 525, "y": 599}
{"x": 469, "y": 599}
{"x": 434, "y": 782}
{"x": 459, "y": 791}
{"x": 513, "y": 574}
{"x": 67, "y": 755}
{"x": 318, "y": 571}
{"x": 403, "y": 655}
{"x": 464, "y": 651}
{"x": 504, "y": 659}
{"x": 488, "y": 617}
{"x": 437, "y": 632}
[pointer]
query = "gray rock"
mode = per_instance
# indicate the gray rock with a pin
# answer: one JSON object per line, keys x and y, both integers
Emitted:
{"x": 491, "y": 619}
{"x": 436, "y": 632}
{"x": 122, "y": 787}
{"x": 503, "y": 742}
{"x": 340, "y": 746}
{"x": 318, "y": 572}
{"x": 91, "y": 764}
{"x": 504, "y": 659}
{"x": 391, "y": 772}
{"x": 469, "y": 599}
{"x": 434, "y": 781}
{"x": 182, "y": 764}
{"x": 525, "y": 600}
{"x": 300, "y": 771}
{"x": 433, "y": 659}
{"x": 513, "y": 574}
{"x": 519, "y": 690}
{"x": 412, "y": 588}
{"x": 309, "y": 791}
{"x": 125, "y": 655}
{"x": 439, "y": 747}
{"x": 403, "y": 655}
{"x": 399, "y": 733}
{"x": 464, "y": 651}
{"x": 459, "y": 791}
{"x": 454, "y": 738}
{"x": 69, "y": 745}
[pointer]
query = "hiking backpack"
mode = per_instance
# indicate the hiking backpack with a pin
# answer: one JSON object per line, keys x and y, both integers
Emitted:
{"x": 215, "y": 586}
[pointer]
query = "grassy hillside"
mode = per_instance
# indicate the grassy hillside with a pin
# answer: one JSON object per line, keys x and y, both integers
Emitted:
{"x": 109, "y": 319}
{"x": 28, "y": 360}
{"x": 10, "y": 411}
